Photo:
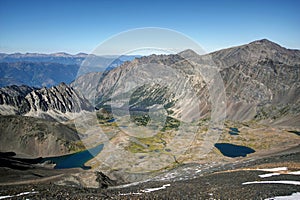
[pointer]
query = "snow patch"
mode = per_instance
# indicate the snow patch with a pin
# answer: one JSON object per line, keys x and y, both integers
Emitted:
{"x": 4, "y": 197}
{"x": 273, "y": 182}
{"x": 17, "y": 195}
{"x": 294, "y": 196}
{"x": 155, "y": 189}
{"x": 294, "y": 173}
{"x": 268, "y": 175}
{"x": 274, "y": 169}
{"x": 168, "y": 176}
{"x": 147, "y": 190}
{"x": 130, "y": 193}
{"x": 276, "y": 172}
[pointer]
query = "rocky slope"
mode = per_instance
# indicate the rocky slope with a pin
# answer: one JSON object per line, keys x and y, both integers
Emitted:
{"x": 87, "y": 88}
{"x": 194, "y": 182}
{"x": 58, "y": 102}
{"x": 261, "y": 82}
{"x": 254, "y": 51}
{"x": 32, "y": 137}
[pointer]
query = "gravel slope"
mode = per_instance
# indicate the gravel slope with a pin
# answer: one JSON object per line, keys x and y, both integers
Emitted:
{"x": 225, "y": 182}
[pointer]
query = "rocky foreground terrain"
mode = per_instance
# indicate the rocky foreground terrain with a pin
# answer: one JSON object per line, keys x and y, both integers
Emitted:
{"x": 193, "y": 181}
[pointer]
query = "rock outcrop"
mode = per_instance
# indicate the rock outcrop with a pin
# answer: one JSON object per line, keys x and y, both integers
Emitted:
{"x": 58, "y": 102}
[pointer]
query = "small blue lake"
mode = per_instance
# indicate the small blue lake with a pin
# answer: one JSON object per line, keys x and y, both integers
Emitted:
{"x": 75, "y": 160}
{"x": 233, "y": 131}
{"x": 232, "y": 150}
{"x": 111, "y": 120}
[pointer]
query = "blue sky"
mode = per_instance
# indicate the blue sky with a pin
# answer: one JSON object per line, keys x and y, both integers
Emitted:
{"x": 80, "y": 26}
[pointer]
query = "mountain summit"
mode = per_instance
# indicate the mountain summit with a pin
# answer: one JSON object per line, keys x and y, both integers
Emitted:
{"x": 188, "y": 53}
{"x": 254, "y": 51}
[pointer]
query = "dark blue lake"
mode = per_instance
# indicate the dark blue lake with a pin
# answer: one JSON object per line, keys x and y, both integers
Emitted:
{"x": 232, "y": 150}
{"x": 75, "y": 160}
{"x": 295, "y": 132}
{"x": 233, "y": 131}
{"x": 111, "y": 120}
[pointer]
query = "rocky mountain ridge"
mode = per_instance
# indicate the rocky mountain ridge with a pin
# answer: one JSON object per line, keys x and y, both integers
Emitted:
{"x": 58, "y": 102}
{"x": 258, "y": 75}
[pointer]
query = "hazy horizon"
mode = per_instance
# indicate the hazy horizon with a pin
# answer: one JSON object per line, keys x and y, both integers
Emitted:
{"x": 80, "y": 26}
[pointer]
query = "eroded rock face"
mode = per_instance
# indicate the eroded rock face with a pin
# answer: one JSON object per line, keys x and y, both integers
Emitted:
{"x": 12, "y": 99}
{"x": 58, "y": 102}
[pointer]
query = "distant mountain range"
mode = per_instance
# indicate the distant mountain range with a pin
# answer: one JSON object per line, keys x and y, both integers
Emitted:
{"x": 45, "y": 70}
{"x": 62, "y": 58}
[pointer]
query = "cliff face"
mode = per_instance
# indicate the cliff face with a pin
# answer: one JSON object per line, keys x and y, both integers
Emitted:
{"x": 12, "y": 99}
{"x": 58, "y": 102}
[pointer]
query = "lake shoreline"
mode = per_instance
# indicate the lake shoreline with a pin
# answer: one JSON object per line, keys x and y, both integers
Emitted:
{"x": 219, "y": 182}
